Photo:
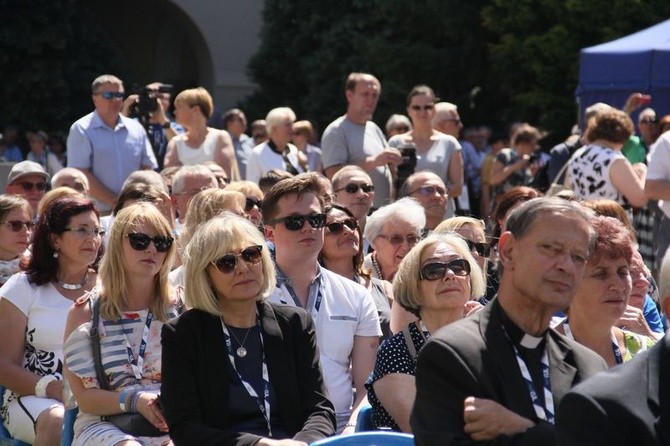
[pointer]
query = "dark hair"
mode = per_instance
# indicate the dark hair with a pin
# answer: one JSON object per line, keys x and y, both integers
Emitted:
{"x": 526, "y": 133}
{"x": 421, "y": 90}
{"x": 43, "y": 267}
{"x": 358, "y": 258}
{"x": 272, "y": 177}
{"x": 230, "y": 116}
{"x": 289, "y": 186}
{"x": 612, "y": 125}
{"x": 507, "y": 201}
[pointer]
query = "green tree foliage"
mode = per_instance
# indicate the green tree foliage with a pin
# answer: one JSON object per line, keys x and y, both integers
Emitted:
{"x": 51, "y": 51}
{"x": 499, "y": 60}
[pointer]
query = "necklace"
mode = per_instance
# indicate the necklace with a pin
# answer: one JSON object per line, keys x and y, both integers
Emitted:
{"x": 241, "y": 351}
{"x": 375, "y": 265}
{"x": 73, "y": 286}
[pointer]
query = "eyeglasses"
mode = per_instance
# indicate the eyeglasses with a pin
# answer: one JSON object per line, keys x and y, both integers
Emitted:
{"x": 17, "y": 225}
{"x": 27, "y": 186}
{"x": 648, "y": 121}
{"x": 437, "y": 270}
{"x": 483, "y": 249}
{"x": 352, "y": 188}
{"x": 427, "y": 191}
{"x": 296, "y": 222}
{"x": 252, "y": 255}
{"x": 84, "y": 232}
{"x": 222, "y": 180}
{"x": 109, "y": 95}
{"x": 250, "y": 203}
{"x": 425, "y": 107}
{"x": 397, "y": 239}
{"x": 140, "y": 242}
{"x": 337, "y": 227}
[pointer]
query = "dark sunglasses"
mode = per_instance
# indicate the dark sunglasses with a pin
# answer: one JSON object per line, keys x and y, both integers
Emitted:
{"x": 109, "y": 95}
{"x": 17, "y": 225}
{"x": 252, "y": 255}
{"x": 437, "y": 270}
{"x": 296, "y": 222}
{"x": 27, "y": 186}
{"x": 250, "y": 203}
{"x": 352, "y": 188}
{"x": 140, "y": 242}
{"x": 336, "y": 227}
{"x": 425, "y": 107}
{"x": 483, "y": 249}
{"x": 427, "y": 191}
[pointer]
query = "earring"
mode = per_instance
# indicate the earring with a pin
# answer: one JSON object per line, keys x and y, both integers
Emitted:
{"x": 56, "y": 254}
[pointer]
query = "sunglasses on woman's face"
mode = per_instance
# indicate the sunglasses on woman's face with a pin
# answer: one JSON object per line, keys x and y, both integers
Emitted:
{"x": 483, "y": 249}
{"x": 337, "y": 227}
{"x": 18, "y": 225}
{"x": 140, "y": 242}
{"x": 250, "y": 203}
{"x": 437, "y": 270}
{"x": 252, "y": 255}
{"x": 296, "y": 222}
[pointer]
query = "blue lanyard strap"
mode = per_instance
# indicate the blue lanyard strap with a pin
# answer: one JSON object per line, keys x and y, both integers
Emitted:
{"x": 618, "y": 357}
{"x": 543, "y": 412}
{"x": 263, "y": 403}
{"x": 136, "y": 364}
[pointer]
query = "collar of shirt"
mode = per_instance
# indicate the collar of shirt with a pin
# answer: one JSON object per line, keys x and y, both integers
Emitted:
{"x": 517, "y": 335}
{"x": 97, "y": 121}
{"x": 315, "y": 286}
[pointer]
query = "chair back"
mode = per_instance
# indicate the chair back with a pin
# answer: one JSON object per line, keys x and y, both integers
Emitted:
{"x": 368, "y": 439}
{"x": 364, "y": 419}
{"x": 68, "y": 426}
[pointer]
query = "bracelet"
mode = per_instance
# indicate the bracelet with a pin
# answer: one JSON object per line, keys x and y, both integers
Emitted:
{"x": 41, "y": 385}
{"x": 133, "y": 401}
{"x": 122, "y": 401}
{"x": 350, "y": 425}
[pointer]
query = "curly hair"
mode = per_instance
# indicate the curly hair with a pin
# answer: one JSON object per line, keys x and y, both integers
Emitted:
{"x": 612, "y": 125}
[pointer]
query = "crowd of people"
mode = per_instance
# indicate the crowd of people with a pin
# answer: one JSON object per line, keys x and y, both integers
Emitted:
{"x": 183, "y": 284}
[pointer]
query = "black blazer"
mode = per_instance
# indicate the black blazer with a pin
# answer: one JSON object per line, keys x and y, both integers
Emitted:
{"x": 473, "y": 357}
{"x": 194, "y": 390}
{"x": 628, "y": 405}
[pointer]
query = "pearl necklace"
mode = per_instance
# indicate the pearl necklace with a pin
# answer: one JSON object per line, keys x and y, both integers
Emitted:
{"x": 73, "y": 286}
{"x": 375, "y": 265}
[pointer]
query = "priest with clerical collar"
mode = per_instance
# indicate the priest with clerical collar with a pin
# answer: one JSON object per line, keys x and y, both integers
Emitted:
{"x": 499, "y": 375}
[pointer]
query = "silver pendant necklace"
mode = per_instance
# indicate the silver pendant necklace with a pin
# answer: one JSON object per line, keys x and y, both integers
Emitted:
{"x": 73, "y": 286}
{"x": 241, "y": 351}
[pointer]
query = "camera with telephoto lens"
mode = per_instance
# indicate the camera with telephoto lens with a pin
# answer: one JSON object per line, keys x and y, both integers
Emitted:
{"x": 408, "y": 164}
{"x": 147, "y": 101}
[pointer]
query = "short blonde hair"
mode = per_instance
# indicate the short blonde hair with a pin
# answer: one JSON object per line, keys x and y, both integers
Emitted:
{"x": 197, "y": 97}
{"x": 113, "y": 277}
{"x": 455, "y": 223}
{"x": 210, "y": 242}
{"x": 206, "y": 205}
{"x": 56, "y": 194}
{"x": 246, "y": 187}
{"x": 406, "y": 281}
{"x": 277, "y": 116}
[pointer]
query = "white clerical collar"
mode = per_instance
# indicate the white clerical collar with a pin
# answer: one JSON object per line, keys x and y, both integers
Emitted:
{"x": 530, "y": 341}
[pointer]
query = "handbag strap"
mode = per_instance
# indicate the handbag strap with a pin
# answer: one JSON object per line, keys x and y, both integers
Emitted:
{"x": 560, "y": 173}
{"x": 95, "y": 345}
{"x": 408, "y": 342}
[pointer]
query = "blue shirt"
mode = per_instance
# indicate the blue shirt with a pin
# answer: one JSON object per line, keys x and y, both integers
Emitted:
{"x": 111, "y": 154}
{"x": 651, "y": 315}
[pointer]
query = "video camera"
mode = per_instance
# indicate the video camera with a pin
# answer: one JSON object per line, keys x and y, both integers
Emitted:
{"x": 147, "y": 101}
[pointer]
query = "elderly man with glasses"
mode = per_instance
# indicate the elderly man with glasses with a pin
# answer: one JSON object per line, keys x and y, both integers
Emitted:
{"x": 430, "y": 191}
{"x": 106, "y": 145}
{"x": 28, "y": 180}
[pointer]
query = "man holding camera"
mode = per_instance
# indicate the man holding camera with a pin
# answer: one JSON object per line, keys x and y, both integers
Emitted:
{"x": 355, "y": 139}
{"x": 150, "y": 106}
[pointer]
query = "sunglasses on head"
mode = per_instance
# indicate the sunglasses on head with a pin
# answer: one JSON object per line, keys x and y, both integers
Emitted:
{"x": 250, "y": 203}
{"x": 425, "y": 107}
{"x": 352, "y": 188}
{"x": 252, "y": 255}
{"x": 337, "y": 227}
{"x": 27, "y": 186}
{"x": 140, "y": 242}
{"x": 437, "y": 270}
{"x": 109, "y": 95}
{"x": 483, "y": 249}
{"x": 296, "y": 222}
{"x": 17, "y": 225}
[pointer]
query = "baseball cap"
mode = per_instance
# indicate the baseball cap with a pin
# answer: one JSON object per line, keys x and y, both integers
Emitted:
{"x": 25, "y": 168}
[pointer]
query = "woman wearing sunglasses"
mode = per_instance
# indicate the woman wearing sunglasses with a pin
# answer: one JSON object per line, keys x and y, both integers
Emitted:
{"x": 435, "y": 151}
{"x": 66, "y": 246}
{"x": 238, "y": 370}
{"x": 342, "y": 253}
{"x": 16, "y": 218}
{"x": 130, "y": 305}
{"x": 254, "y": 199}
{"x": 437, "y": 281}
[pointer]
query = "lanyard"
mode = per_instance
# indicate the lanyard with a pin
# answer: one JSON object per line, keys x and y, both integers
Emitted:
{"x": 264, "y": 404}
{"x": 545, "y": 413}
{"x": 618, "y": 357}
{"x": 285, "y": 288}
{"x": 137, "y": 363}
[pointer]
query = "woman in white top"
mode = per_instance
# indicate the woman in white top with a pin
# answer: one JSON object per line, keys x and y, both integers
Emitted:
{"x": 435, "y": 151}
{"x": 600, "y": 171}
{"x": 67, "y": 245}
{"x": 192, "y": 109}
{"x": 277, "y": 152}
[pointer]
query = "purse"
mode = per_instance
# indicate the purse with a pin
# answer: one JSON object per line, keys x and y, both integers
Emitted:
{"x": 131, "y": 423}
{"x": 557, "y": 187}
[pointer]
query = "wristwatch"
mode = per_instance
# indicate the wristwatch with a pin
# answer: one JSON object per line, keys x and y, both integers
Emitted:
{"x": 166, "y": 125}
{"x": 41, "y": 386}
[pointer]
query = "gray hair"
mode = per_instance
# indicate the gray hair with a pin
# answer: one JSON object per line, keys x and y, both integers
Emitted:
{"x": 276, "y": 117}
{"x": 105, "y": 79}
{"x": 396, "y": 120}
{"x": 405, "y": 188}
{"x": 189, "y": 171}
{"x": 443, "y": 107}
{"x": 69, "y": 171}
{"x": 406, "y": 209}
{"x": 148, "y": 177}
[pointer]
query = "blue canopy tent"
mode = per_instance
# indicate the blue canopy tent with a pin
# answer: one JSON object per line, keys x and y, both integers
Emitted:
{"x": 640, "y": 62}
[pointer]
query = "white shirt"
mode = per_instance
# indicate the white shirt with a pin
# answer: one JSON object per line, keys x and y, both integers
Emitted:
{"x": 659, "y": 166}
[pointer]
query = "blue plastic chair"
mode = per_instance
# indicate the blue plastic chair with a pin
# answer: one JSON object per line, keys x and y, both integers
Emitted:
{"x": 5, "y": 438}
{"x": 364, "y": 419}
{"x": 67, "y": 435}
{"x": 368, "y": 439}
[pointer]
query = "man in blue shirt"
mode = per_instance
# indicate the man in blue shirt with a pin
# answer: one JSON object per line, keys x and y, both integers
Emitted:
{"x": 106, "y": 145}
